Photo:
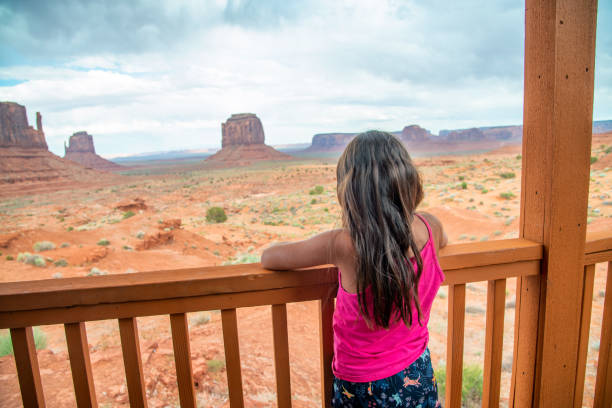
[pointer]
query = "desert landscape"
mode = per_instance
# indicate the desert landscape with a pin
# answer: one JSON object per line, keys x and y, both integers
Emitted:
{"x": 82, "y": 216}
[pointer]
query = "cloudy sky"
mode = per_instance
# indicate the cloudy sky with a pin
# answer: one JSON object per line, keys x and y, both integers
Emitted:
{"x": 152, "y": 75}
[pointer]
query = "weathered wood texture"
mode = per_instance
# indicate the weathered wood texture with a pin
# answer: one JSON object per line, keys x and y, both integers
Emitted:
{"x": 585, "y": 325}
{"x": 603, "y": 383}
{"x": 454, "y": 345}
{"x": 494, "y": 341}
{"x": 326, "y": 335}
{"x": 132, "y": 360}
{"x": 281, "y": 356}
{"x": 232, "y": 357}
{"x": 558, "y": 107}
{"x": 80, "y": 364}
{"x": 182, "y": 359}
{"x": 28, "y": 372}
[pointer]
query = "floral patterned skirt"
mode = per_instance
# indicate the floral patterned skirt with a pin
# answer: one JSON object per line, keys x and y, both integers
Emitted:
{"x": 414, "y": 386}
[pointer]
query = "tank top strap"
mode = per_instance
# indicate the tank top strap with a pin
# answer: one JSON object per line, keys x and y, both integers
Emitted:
{"x": 428, "y": 227}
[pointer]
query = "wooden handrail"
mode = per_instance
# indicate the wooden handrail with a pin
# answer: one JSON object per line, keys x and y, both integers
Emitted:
{"x": 458, "y": 261}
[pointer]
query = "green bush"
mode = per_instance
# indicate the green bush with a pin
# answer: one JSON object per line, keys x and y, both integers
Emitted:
{"x": 508, "y": 175}
{"x": 507, "y": 196}
{"x": 96, "y": 272}
{"x": 60, "y": 262}
{"x": 464, "y": 185}
{"x": 461, "y": 178}
{"x": 317, "y": 190}
{"x": 216, "y": 215}
{"x": 44, "y": 246}
{"x": 31, "y": 259}
{"x": 471, "y": 391}
{"x": 484, "y": 191}
{"x": 593, "y": 159}
{"x": 9, "y": 258}
{"x": 608, "y": 150}
{"x": 104, "y": 242}
{"x": 6, "y": 345}
{"x": 215, "y": 365}
{"x": 128, "y": 214}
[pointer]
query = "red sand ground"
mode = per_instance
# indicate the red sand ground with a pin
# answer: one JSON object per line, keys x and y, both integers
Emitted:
{"x": 264, "y": 203}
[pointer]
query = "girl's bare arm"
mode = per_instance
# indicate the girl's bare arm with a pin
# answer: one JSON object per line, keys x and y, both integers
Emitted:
{"x": 324, "y": 248}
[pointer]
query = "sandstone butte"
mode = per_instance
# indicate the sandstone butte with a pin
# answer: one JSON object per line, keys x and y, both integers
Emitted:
{"x": 243, "y": 142}
{"x": 26, "y": 165}
{"x": 81, "y": 150}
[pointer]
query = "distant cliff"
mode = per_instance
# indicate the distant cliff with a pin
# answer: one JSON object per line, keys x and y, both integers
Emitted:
{"x": 81, "y": 150}
{"x": 15, "y": 130}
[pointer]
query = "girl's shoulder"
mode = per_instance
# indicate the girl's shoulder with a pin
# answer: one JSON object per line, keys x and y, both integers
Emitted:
{"x": 437, "y": 230}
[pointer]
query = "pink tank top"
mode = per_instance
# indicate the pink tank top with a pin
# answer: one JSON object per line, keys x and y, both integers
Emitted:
{"x": 363, "y": 353}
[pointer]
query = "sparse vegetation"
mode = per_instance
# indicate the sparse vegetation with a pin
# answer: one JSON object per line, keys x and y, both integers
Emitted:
{"x": 464, "y": 185}
{"x": 31, "y": 259}
{"x": 215, "y": 365}
{"x": 104, "y": 242}
{"x": 61, "y": 263}
{"x": 96, "y": 272}
{"x": 6, "y": 345}
{"x": 593, "y": 159}
{"x": 508, "y": 175}
{"x": 64, "y": 245}
{"x": 128, "y": 214}
{"x": 471, "y": 391}
{"x": 9, "y": 258}
{"x": 216, "y": 215}
{"x": 317, "y": 190}
{"x": 44, "y": 246}
{"x": 507, "y": 195}
{"x": 140, "y": 234}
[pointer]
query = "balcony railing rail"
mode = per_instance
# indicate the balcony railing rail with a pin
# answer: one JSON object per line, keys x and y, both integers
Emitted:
{"x": 73, "y": 301}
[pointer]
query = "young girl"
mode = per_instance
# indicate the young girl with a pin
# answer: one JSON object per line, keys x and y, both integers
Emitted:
{"x": 388, "y": 276}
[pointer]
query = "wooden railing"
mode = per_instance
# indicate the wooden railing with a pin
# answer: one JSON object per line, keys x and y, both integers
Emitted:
{"x": 73, "y": 301}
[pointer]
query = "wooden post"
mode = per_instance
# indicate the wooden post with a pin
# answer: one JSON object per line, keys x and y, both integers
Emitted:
{"x": 558, "y": 113}
{"x": 28, "y": 372}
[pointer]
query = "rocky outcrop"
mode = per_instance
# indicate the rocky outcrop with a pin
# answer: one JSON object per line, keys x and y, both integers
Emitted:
{"x": 242, "y": 142}
{"x": 466, "y": 135}
{"x": 414, "y": 133}
{"x": 242, "y": 129}
{"x": 81, "y": 150}
{"x": 27, "y": 166}
{"x": 15, "y": 130}
{"x": 330, "y": 141}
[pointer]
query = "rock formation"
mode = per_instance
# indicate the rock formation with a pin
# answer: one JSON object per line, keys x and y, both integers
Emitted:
{"x": 466, "y": 135}
{"x": 414, "y": 133}
{"x": 81, "y": 150}
{"x": 242, "y": 142}
{"x": 15, "y": 130}
{"x": 27, "y": 166}
{"x": 326, "y": 142}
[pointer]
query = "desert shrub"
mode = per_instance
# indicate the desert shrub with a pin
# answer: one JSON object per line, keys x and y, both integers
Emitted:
{"x": 519, "y": 157}
{"x": 6, "y": 345}
{"x": 313, "y": 201}
{"x": 593, "y": 159}
{"x": 31, "y": 259}
{"x": 608, "y": 150}
{"x": 44, "y": 246}
{"x": 201, "y": 318}
{"x": 64, "y": 245}
{"x": 9, "y": 258}
{"x": 471, "y": 391}
{"x": 243, "y": 259}
{"x": 508, "y": 175}
{"x": 71, "y": 228}
{"x": 461, "y": 178}
{"x": 128, "y": 214}
{"x": 484, "y": 191}
{"x": 216, "y": 215}
{"x": 96, "y": 272}
{"x": 215, "y": 365}
{"x": 317, "y": 190}
{"x": 507, "y": 196}
{"x": 60, "y": 262}
{"x": 104, "y": 242}
{"x": 464, "y": 185}
{"x": 140, "y": 234}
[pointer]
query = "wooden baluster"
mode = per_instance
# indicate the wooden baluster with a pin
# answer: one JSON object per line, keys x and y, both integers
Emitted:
{"x": 326, "y": 334}
{"x": 130, "y": 345}
{"x": 494, "y": 342}
{"x": 27, "y": 367}
{"x": 603, "y": 384}
{"x": 585, "y": 325}
{"x": 182, "y": 359}
{"x": 78, "y": 351}
{"x": 281, "y": 355}
{"x": 232, "y": 357}
{"x": 454, "y": 346}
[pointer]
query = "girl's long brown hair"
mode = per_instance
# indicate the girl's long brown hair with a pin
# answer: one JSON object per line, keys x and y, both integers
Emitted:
{"x": 379, "y": 190}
